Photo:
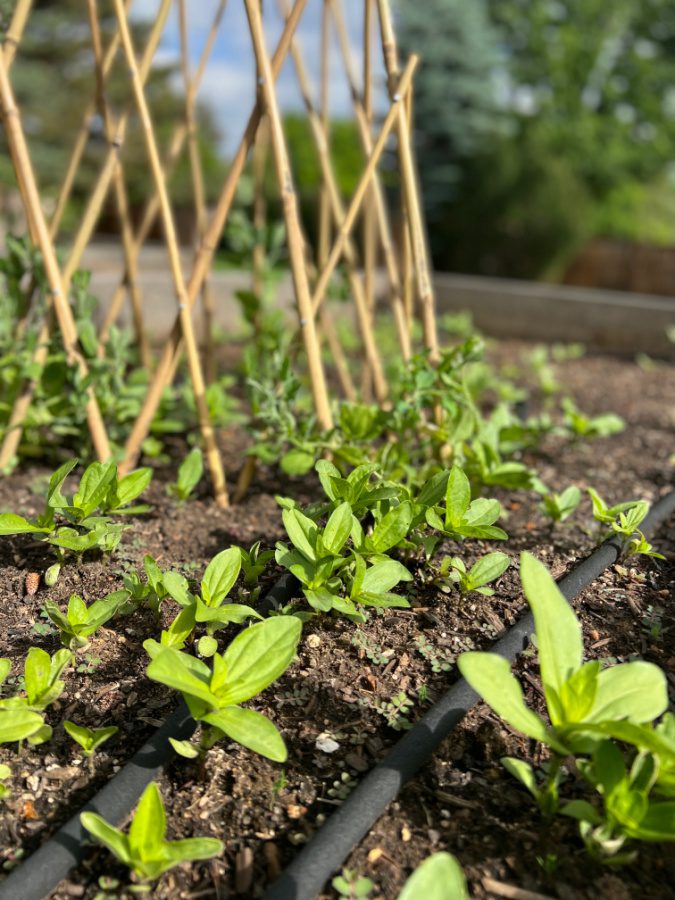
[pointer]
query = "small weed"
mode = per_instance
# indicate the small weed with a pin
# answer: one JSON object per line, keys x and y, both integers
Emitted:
{"x": 396, "y": 711}
{"x": 343, "y": 787}
{"x": 438, "y": 661}
{"x": 374, "y": 652}
{"x": 353, "y": 886}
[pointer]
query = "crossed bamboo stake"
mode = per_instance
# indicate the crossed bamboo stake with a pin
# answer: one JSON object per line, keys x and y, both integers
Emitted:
{"x": 97, "y": 198}
{"x": 173, "y": 154}
{"x": 166, "y": 366}
{"x": 310, "y": 301}
{"x": 40, "y": 233}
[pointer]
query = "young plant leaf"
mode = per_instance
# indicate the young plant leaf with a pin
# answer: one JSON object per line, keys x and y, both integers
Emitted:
{"x": 391, "y": 529}
{"x": 457, "y": 497}
{"x": 258, "y": 656}
{"x": 220, "y": 575}
{"x": 491, "y": 677}
{"x": 558, "y": 631}
{"x": 250, "y": 729}
{"x": 10, "y": 523}
{"x": 635, "y": 691}
{"x": 338, "y": 528}
{"x": 439, "y": 877}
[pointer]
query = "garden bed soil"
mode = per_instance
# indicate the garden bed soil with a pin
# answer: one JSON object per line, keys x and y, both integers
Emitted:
{"x": 345, "y": 679}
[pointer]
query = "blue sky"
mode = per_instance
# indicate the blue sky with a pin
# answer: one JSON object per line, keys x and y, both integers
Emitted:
{"x": 228, "y": 86}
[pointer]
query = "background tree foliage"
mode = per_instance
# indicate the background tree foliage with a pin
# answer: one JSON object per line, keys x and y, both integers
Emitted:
{"x": 542, "y": 123}
{"x": 54, "y": 78}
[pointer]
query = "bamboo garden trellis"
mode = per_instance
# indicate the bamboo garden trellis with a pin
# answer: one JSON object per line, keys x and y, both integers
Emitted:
{"x": 356, "y": 232}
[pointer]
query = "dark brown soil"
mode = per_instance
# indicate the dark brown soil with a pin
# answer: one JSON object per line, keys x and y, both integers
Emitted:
{"x": 345, "y": 676}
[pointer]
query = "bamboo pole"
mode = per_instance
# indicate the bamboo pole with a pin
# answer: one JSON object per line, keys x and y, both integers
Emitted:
{"x": 323, "y": 243}
{"x": 410, "y": 188}
{"x": 121, "y": 198}
{"x": 369, "y": 210}
{"x": 384, "y": 227}
{"x": 15, "y": 31}
{"x": 170, "y": 355}
{"x": 199, "y": 194}
{"x": 212, "y": 452}
{"x": 362, "y": 187}
{"x": 258, "y": 166}
{"x": 173, "y": 154}
{"x": 326, "y": 323}
{"x": 372, "y": 355}
{"x": 407, "y": 273}
{"x": 81, "y": 140}
{"x": 292, "y": 219}
{"x": 21, "y": 161}
{"x": 100, "y": 191}
{"x": 25, "y": 397}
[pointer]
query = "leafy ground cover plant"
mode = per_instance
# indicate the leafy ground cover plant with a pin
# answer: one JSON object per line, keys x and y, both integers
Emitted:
{"x": 145, "y": 849}
{"x": 255, "y": 658}
{"x": 21, "y": 715}
{"x": 82, "y": 522}
{"x": 586, "y": 705}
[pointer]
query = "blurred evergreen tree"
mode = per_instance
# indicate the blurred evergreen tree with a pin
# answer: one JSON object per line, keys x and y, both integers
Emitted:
{"x": 584, "y": 124}
{"x": 455, "y": 101}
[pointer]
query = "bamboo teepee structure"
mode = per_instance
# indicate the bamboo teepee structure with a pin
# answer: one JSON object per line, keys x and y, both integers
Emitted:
{"x": 356, "y": 232}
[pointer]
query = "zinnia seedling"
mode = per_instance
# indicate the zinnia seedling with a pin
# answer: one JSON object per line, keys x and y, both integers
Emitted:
{"x": 145, "y": 849}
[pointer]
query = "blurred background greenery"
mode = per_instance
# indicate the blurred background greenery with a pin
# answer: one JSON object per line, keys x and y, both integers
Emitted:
{"x": 541, "y": 125}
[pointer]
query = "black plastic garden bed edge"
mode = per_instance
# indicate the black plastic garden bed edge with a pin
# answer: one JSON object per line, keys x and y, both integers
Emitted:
{"x": 303, "y": 879}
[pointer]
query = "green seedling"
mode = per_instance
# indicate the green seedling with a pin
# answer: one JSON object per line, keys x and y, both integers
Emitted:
{"x": 89, "y": 739}
{"x": 318, "y": 562}
{"x": 207, "y": 607}
{"x": 579, "y": 696}
{"x": 254, "y": 659}
{"x": 608, "y": 514}
{"x": 145, "y": 849}
{"x": 463, "y": 517}
{"x": 485, "y": 464}
{"x": 152, "y": 592}
{"x": 629, "y": 810}
{"x": 353, "y": 886}
{"x": 624, "y": 520}
{"x": 489, "y": 568}
{"x": 5, "y": 773}
{"x": 439, "y": 661}
{"x": 254, "y": 562}
{"x": 357, "y": 489}
{"x": 80, "y": 621}
{"x": 439, "y": 877}
{"x": 396, "y": 711}
{"x": 190, "y": 472}
{"x": 86, "y": 514}
{"x": 582, "y": 426}
{"x": 558, "y": 507}
{"x": 21, "y": 715}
